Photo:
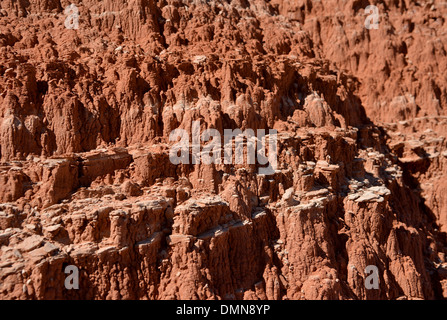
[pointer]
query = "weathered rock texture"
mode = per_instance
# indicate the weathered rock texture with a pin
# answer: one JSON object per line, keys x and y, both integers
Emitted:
{"x": 85, "y": 175}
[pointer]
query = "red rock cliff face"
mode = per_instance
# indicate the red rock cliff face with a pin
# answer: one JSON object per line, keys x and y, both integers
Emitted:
{"x": 86, "y": 179}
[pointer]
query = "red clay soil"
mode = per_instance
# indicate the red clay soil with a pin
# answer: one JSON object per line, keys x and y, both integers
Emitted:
{"x": 86, "y": 179}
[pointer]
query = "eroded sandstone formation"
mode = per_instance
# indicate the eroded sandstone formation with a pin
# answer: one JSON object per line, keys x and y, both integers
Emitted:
{"x": 86, "y": 179}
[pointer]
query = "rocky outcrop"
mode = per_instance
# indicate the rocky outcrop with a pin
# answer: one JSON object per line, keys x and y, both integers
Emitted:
{"x": 86, "y": 177}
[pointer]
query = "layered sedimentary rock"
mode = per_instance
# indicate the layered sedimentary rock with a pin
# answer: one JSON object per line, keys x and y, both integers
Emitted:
{"x": 86, "y": 177}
